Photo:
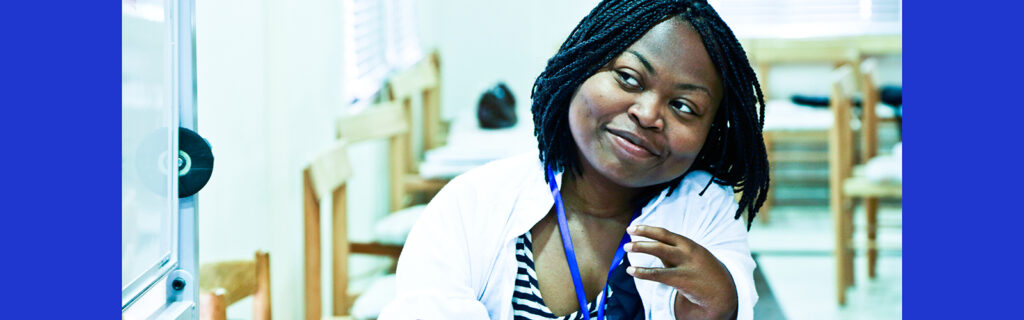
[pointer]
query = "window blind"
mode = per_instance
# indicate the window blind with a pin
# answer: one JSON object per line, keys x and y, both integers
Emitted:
{"x": 403, "y": 41}
{"x": 365, "y": 47}
{"x": 380, "y": 37}
{"x": 810, "y": 18}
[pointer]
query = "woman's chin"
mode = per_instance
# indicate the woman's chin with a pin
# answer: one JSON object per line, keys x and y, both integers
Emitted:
{"x": 626, "y": 175}
{"x": 632, "y": 176}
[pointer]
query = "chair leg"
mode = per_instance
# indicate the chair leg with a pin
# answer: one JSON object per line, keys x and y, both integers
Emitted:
{"x": 848, "y": 238}
{"x": 340, "y": 253}
{"x": 261, "y": 298}
{"x": 212, "y": 306}
{"x": 871, "y": 211}
{"x": 311, "y": 246}
{"x": 840, "y": 250}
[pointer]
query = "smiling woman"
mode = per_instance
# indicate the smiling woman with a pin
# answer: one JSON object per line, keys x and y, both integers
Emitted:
{"x": 647, "y": 121}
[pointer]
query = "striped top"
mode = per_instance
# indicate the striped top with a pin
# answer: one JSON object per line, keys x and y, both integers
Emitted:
{"x": 527, "y": 303}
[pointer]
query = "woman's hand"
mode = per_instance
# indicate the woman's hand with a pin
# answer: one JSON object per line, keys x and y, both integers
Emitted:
{"x": 705, "y": 288}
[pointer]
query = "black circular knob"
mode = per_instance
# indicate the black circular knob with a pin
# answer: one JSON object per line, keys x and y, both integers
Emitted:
{"x": 195, "y": 162}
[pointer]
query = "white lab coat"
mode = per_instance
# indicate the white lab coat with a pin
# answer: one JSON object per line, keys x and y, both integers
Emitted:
{"x": 459, "y": 259}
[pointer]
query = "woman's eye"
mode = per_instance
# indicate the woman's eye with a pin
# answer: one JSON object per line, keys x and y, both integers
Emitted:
{"x": 628, "y": 79}
{"x": 681, "y": 106}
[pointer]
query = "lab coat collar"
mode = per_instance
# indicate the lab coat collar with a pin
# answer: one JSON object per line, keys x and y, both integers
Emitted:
{"x": 538, "y": 200}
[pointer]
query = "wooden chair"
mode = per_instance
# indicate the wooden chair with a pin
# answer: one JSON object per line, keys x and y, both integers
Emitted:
{"x": 389, "y": 120}
{"x": 222, "y": 284}
{"x": 840, "y": 167}
{"x": 435, "y": 129}
{"x": 767, "y": 53}
{"x": 869, "y": 149}
{"x": 386, "y": 120}
{"x": 847, "y": 183}
{"x": 422, "y": 80}
{"x": 326, "y": 175}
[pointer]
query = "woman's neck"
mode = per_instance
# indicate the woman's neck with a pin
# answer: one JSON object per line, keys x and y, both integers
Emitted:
{"x": 594, "y": 195}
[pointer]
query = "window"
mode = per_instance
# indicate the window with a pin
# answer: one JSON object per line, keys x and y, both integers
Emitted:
{"x": 403, "y": 43}
{"x": 365, "y": 48}
{"x": 810, "y": 18}
{"x": 380, "y": 37}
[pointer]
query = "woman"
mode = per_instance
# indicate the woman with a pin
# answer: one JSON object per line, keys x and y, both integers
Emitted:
{"x": 646, "y": 118}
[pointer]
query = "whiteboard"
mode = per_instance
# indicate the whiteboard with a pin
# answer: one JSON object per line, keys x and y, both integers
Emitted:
{"x": 158, "y": 243}
{"x": 148, "y": 195}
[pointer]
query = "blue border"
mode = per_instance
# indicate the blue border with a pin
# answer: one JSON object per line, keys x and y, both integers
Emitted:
{"x": 61, "y": 152}
{"x": 61, "y": 72}
{"x": 961, "y": 225}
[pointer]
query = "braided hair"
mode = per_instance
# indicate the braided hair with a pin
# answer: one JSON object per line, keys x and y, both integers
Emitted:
{"x": 734, "y": 152}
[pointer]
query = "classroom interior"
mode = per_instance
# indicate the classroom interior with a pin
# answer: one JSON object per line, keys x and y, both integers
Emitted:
{"x": 334, "y": 121}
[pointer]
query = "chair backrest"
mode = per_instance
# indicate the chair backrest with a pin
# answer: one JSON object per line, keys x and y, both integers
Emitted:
{"x": 766, "y": 53}
{"x": 836, "y": 50}
{"x": 327, "y": 174}
{"x": 869, "y": 119}
{"x": 329, "y": 169}
{"x": 392, "y": 119}
{"x": 434, "y": 128}
{"x": 423, "y": 80}
{"x": 381, "y": 120}
{"x": 841, "y": 135}
{"x": 224, "y": 283}
{"x": 388, "y": 120}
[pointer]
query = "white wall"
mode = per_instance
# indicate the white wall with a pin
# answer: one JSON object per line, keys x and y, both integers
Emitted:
{"x": 268, "y": 87}
{"x": 483, "y": 42}
{"x": 232, "y": 115}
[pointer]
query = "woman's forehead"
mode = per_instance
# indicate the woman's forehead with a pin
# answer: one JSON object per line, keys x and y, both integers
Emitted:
{"x": 673, "y": 47}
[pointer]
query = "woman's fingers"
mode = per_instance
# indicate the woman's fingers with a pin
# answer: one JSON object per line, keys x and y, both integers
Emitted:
{"x": 667, "y": 276}
{"x": 673, "y": 249}
{"x": 670, "y": 255}
{"x": 659, "y": 234}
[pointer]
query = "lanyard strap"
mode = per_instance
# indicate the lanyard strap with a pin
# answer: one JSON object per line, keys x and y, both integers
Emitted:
{"x": 570, "y": 254}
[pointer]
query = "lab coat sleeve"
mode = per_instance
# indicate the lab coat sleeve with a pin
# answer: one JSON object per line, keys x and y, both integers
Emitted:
{"x": 435, "y": 279}
{"x": 726, "y": 239}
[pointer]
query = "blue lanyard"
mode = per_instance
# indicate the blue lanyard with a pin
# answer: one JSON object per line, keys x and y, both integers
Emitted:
{"x": 570, "y": 254}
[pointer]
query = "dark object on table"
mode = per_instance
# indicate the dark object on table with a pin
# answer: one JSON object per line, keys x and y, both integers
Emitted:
{"x": 497, "y": 108}
{"x": 817, "y": 101}
{"x": 889, "y": 95}
{"x": 893, "y": 96}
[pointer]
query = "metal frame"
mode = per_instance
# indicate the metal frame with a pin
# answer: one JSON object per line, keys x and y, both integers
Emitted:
{"x": 177, "y": 289}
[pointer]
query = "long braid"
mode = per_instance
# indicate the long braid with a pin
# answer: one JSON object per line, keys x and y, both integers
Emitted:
{"x": 754, "y": 170}
{"x": 734, "y": 152}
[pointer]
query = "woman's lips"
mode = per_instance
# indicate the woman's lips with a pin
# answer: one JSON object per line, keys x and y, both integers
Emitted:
{"x": 633, "y": 149}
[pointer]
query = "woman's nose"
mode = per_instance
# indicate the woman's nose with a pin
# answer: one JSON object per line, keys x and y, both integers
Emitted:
{"x": 646, "y": 113}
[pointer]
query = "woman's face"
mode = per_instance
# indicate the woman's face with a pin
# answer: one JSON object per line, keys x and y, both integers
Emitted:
{"x": 642, "y": 119}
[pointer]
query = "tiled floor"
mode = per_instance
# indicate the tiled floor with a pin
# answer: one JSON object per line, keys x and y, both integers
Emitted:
{"x": 794, "y": 253}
